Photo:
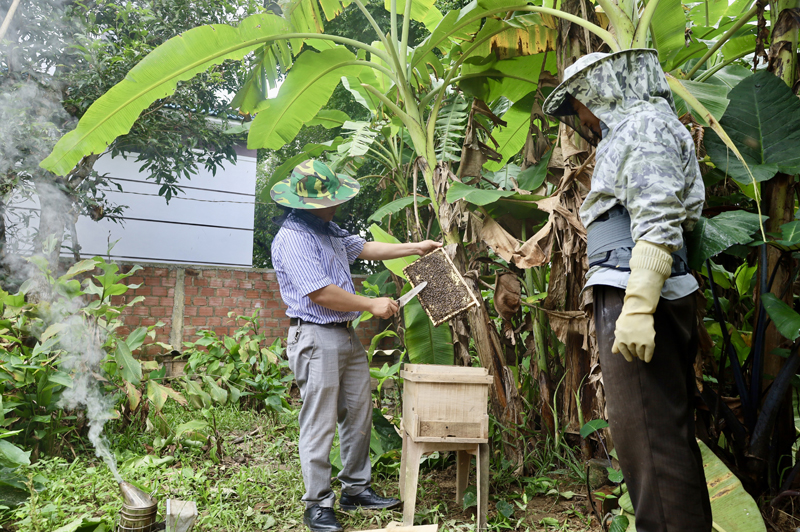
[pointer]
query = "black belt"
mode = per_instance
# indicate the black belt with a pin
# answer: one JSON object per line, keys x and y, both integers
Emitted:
{"x": 342, "y": 324}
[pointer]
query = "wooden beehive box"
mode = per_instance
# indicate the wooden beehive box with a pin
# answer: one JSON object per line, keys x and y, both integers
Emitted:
{"x": 447, "y": 294}
{"x": 445, "y": 403}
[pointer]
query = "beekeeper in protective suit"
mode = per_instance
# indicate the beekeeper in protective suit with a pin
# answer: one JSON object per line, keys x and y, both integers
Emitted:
{"x": 646, "y": 191}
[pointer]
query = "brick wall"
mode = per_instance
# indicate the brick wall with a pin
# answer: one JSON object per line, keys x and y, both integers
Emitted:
{"x": 191, "y": 298}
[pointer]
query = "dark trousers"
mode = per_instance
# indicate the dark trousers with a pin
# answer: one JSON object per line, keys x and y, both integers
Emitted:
{"x": 651, "y": 414}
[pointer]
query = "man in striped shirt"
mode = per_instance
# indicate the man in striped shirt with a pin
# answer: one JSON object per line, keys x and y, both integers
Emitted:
{"x": 312, "y": 257}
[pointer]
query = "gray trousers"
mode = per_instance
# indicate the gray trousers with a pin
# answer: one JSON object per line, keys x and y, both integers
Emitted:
{"x": 332, "y": 371}
{"x": 651, "y": 415}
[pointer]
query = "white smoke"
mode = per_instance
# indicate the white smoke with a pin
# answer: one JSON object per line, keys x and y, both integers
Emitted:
{"x": 29, "y": 126}
{"x": 83, "y": 356}
{"x": 80, "y": 340}
{"x": 32, "y": 119}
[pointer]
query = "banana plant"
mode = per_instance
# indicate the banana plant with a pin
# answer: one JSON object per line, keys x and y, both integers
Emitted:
{"x": 388, "y": 72}
{"x": 408, "y": 83}
{"x": 489, "y": 45}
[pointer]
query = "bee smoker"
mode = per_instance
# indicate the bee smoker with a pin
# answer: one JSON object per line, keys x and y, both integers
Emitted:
{"x": 139, "y": 510}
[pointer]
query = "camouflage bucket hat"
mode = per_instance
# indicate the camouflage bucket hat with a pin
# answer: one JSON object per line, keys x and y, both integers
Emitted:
{"x": 313, "y": 185}
{"x": 556, "y": 104}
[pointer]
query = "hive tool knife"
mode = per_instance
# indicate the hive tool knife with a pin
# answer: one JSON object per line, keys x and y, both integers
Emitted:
{"x": 402, "y": 300}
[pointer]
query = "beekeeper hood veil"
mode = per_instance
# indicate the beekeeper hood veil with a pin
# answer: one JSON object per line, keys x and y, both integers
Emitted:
{"x": 613, "y": 87}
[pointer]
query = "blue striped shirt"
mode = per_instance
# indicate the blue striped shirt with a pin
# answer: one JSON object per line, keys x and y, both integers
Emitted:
{"x": 306, "y": 260}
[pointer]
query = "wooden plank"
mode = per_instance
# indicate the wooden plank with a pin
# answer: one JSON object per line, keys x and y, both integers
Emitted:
{"x": 483, "y": 485}
{"x": 396, "y": 527}
{"x": 447, "y": 379}
{"x": 411, "y": 481}
{"x": 443, "y": 369}
{"x": 450, "y": 429}
{"x": 446, "y": 441}
{"x": 462, "y": 475}
{"x": 429, "y": 447}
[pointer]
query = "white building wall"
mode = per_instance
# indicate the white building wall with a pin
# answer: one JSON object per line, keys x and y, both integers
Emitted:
{"x": 211, "y": 222}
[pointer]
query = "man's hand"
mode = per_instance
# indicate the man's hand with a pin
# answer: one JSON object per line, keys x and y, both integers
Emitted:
{"x": 383, "y": 307}
{"x": 426, "y": 246}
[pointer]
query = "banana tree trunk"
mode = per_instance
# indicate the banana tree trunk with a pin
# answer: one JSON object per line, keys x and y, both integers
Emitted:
{"x": 779, "y": 205}
{"x": 505, "y": 401}
{"x": 580, "y": 400}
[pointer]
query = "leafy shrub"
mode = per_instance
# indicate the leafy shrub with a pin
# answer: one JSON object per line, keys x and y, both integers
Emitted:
{"x": 238, "y": 367}
{"x": 59, "y": 349}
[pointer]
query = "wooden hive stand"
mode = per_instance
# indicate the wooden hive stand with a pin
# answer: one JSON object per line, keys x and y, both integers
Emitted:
{"x": 444, "y": 409}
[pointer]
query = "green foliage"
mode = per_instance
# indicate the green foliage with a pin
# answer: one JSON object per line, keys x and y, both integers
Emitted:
{"x": 511, "y": 137}
{"x": 385, "y": 373}
{"x": 155, "y": 77}
{"x": 54, "y": 331}
{"x": 618, "y": 524}
{"x": 475, "y": 195}
{"x": 450, "y": 130}
{"x": 301, "y": 96}
{"x": 425, "y": 343}
{"x": 790, "y": 236}
{"x": 237, "y": 366}
{"x": 712, "y": 236}
{"x": 394, "y": 265}
{"x": 360, "y": 138}
{"x": 12, "y": 456}
{"x": 761, "y": 120}
{"x": 397, "y": 206}
{"x": 712, "y": 96}
{"x": 785, "y": 318}
{"x": 329, "y": 119}
{"x": 593, "y": 426}
{"x": 667, "y": 29}
{"x": 533, "y": 177}
{"x": 512, "y": 78}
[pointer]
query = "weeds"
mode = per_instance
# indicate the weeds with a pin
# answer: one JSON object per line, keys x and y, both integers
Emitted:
{"x": 228, "y": 441}
{"x": 257, "y": 486}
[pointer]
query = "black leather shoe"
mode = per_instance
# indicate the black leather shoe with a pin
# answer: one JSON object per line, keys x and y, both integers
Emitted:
{"x": 367, "y": 499}
{"x": 321, "y": 519}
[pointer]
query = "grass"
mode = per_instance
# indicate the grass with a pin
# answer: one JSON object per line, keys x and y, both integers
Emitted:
{"x": 257, "y": 485}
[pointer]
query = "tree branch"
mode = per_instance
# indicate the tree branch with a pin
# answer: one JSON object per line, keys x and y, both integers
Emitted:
{"x": 9, "y": 17}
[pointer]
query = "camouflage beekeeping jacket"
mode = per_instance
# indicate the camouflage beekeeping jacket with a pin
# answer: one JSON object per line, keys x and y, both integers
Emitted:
{"x": 646, "y": 160}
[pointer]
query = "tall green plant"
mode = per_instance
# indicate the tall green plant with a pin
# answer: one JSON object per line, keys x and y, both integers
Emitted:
{"x": 59, "y": 331}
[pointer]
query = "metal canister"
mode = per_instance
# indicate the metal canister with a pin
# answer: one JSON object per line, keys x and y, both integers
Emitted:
{"x": 139, "y": 510}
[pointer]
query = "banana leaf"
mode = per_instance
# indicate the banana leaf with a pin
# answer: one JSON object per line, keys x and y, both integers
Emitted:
{"x": 307, "y": 87}
{"x": 425, "y": 343}
{"x": 762, "y": 120}
{"x": 395, "y": 265}
{"x": 734, "y": 510}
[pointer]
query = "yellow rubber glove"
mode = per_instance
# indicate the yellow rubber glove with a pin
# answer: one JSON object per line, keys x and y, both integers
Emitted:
{"x": 635, "y": 335}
